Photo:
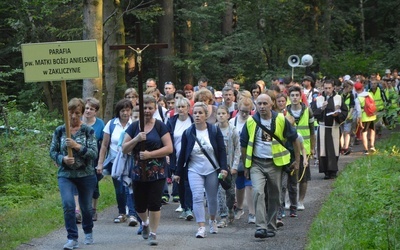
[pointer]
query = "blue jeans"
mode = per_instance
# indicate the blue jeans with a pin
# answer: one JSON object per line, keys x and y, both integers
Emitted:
{"x": 185, "y": 195}
{"x": 130, "y": 203}
{"x": 120, "y": 195}
{"x": 85, "y": 187}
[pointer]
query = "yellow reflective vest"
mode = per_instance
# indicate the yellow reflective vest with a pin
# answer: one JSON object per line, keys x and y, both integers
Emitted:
{"x": 280, "y": 155}
{"x": 303, "y": 128}
{"x": 377, "y": 96}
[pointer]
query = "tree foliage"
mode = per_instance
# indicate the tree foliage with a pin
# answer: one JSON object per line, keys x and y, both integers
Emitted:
{"x": 343, "y": 37}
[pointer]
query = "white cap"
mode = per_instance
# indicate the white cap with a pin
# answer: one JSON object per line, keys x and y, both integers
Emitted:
{"x": 218, "y": 94}
{"x": 387, "y": 71}
{"x": 346, "y": 78}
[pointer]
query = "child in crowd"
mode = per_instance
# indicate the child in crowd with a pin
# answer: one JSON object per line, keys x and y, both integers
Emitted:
{"x": 226, "y": 199}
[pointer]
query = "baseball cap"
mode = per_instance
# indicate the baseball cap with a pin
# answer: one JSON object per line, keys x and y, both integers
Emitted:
{"x": 358, "y": 86}
{"x": 346, "y": 78}
{"x": 218, "y": 94}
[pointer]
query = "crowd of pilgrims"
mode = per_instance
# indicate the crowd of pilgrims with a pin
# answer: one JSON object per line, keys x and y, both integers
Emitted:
{"x": 197, "y": 136}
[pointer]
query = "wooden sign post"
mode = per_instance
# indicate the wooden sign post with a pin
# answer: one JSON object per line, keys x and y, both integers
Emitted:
{"x": 61, "y": 61}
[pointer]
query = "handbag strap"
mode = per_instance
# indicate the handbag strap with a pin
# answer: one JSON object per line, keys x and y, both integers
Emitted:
{"x": 205, "y": 152}
{"x": 270, "y": 133}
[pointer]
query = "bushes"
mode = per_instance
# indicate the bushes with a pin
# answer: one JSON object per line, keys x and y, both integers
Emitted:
{"x": 363, "y": 211}
{"x": 26, "y": 170}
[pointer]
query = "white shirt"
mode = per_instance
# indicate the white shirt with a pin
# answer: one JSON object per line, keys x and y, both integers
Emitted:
{"x": 239, "y": 124}
{"x": 198, "y": 161}
{"x": 157, "y": 116}
{"x": 308, "y": 93}
{"x": 116, "y": 134}
{"x": 263, "y": 141}
{"x": 180, "y": 127}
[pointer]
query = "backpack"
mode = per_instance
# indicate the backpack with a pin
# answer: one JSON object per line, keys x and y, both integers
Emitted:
{"x": 369, "y": 106}
{"x": 160, "y": 111}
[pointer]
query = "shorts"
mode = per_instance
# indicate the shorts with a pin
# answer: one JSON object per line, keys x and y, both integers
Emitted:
{"x": 347, "y": 127}
{"x": 242, "y": 181}
{"x": 368, "y": 125}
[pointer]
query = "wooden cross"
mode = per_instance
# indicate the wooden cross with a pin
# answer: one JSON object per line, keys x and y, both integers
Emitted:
{"x": 139, "y": 48}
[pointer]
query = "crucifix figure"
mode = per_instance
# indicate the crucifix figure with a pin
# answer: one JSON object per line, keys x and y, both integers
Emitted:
{"x": 139, "y": 49}
{"x": 139, "y": 55}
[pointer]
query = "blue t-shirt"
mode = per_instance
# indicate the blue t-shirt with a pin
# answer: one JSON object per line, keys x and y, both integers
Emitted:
{"x": 98, "y": 127}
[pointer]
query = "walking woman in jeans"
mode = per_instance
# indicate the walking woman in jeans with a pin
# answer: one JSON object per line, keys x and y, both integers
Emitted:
{"x": 112, "y": 132}
{"x": 195, "y": 165}
{"x": 177, "y": 126}
{"x": 75, "y": 172}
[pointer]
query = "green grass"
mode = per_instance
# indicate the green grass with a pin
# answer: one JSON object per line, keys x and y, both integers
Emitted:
{"x": 20, "y": 225}
{"x": 363, "y": 211}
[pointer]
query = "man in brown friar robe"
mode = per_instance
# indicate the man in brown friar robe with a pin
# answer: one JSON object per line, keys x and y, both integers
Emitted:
{"x": 330, "y": 111}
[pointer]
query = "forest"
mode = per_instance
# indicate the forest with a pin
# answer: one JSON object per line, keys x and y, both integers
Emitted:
{"x": 219, "y": 39}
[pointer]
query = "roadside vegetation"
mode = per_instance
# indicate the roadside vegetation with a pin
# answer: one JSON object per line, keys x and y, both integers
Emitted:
{"x": 30, "y": 204}
{"x": 363, "y": 210}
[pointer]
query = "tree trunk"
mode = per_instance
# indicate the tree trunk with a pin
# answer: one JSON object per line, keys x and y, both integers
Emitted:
{"x": 362, "y": 28}
{"x": 166, "y": 35}
{"x": 186, "y": 46}
{"x": 47, "y": 95}
{"x": 227, "y": 22}
{"x": 93, "y": 29}
{"x": 114, "y": 68}
{"x": 227, "y": 29}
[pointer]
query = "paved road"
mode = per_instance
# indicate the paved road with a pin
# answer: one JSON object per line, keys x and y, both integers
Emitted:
{"x": 174, "y": 233}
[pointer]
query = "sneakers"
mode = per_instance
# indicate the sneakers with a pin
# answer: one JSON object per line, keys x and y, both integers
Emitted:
{"x": 78, "y": 216}
{"x": 188, "y": 215}
{"x": 300, "y": 206}
{"x": 175, "y": 198}
{"x": 252, "y": 219}
{"x": 94, "y": 216}
{"x": 281, "y": 212}
{"x": 179, "y": 209}
{"x": 183, "y": 215}
{"x": 222, "y": 223}
{"x": 293, "y": 211}
{"x": 132, "y": 221}
{"x": 121, "y": 218}
{"x": 145, "y": 232}
{"x": 213, "y": 226}
{"x": 238, "y": 213}
{"x": 153, "y": 240}
{"x": 201, "y": 232}
{"x": 279, "y": 223}
{"x": 347, "y": 151}
{"x": 164, "y": 199}
{"x": 88, "y": 239}
{"x": 366, "y": 152}
{"x": 140, "y": 229}
{"x": 71, "y": 244}
{"x": 372, "y": 149}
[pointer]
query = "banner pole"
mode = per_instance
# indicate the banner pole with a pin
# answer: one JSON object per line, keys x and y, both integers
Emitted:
{"x": 66, "y": 115}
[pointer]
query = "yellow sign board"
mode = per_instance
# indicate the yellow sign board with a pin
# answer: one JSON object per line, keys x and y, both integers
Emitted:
{"x": 57, "y": 61}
